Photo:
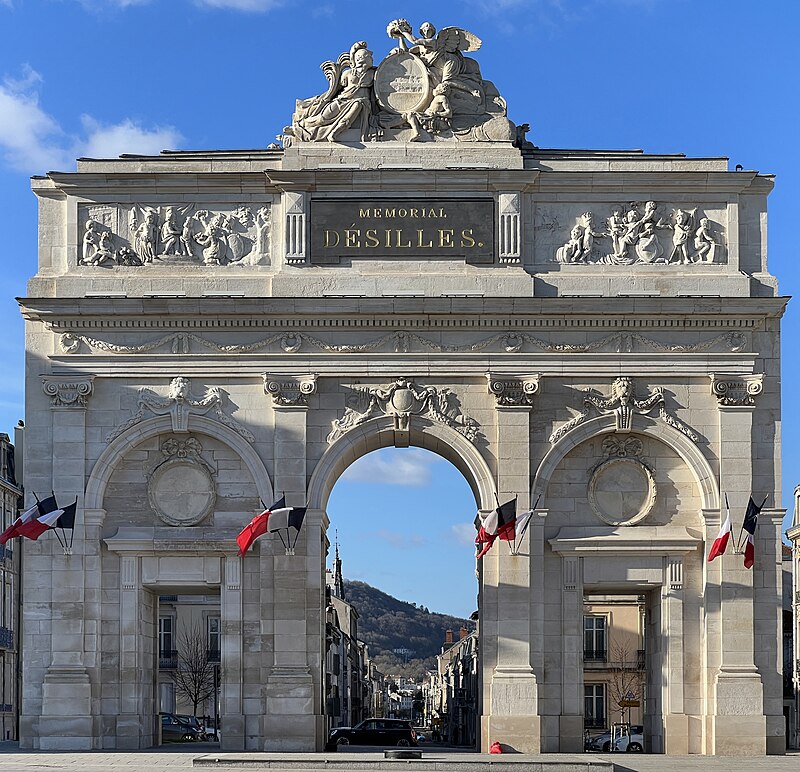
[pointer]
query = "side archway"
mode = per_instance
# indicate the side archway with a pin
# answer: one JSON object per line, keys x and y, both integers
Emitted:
{"x": 380, "y": 433}
{"x": 107, "y": 462}
{"x": 680, "y": 443}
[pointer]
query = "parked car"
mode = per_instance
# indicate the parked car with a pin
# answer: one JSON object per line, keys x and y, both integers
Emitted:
{"x": 602, "y": 742}
{"x": 421, "y": 733}
{"x": 196, "y": 724}
{"x": 176, "y": 731}
{"x": 631, "y": 741}
{"x": 384, "y": 732}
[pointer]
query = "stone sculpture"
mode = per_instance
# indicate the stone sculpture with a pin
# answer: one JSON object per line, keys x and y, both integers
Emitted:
{"x": 634, "y": 238}
{"x": 424, "y": 89}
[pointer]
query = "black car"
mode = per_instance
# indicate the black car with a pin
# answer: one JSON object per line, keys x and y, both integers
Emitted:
{"x": 383, "y": 732}
{"x": 176, "y": 731}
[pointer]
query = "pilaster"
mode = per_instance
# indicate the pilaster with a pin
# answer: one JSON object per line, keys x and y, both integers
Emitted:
{"x": 739, "y": 726}
{"x": 676, "y": 723}
{"x": 232, "y": 714}
{"x": 571, "y": 717}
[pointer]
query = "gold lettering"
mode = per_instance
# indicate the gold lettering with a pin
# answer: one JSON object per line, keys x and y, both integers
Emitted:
{"x": 415, "y": 213}
{"x": 328, "y": 243}
{"x": 431, "y": 213}
{"x": 371, "y": 238}
{"x": 362, "y": 213}
{"x": 442, "y": 213}
{"x": 352, "y": 238}
{"x": 446, "y": 237}
{"x": 402, "y": 212}
{"x": 389, "y": 212}
{"x": 399, "y": 233}
{"x": 420, "y": 234}
{"x": 388, "y": 238}
{"x": 376, "y": 213}
{"x": 466, "y": 238}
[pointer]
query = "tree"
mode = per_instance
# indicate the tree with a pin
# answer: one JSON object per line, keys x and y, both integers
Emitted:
{"x": 627, "y": 679}
{"x": 194, "y": 675}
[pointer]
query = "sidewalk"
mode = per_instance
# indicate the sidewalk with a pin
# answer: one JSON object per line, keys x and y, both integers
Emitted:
{"x": 202, "y": 758}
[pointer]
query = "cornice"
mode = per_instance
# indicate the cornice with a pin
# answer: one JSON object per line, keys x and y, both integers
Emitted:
{"x": 451, "y": 313}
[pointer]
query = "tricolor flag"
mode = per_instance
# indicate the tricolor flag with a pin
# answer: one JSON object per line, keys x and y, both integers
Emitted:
{"x": 285, "y": 517}
{"x": 500, "y": 524}
{"x": 49, "y": 515}
{"x": 721, "y": 542}
{"x": 13, "y": 529}
{"x": 749, "y": 525}
{"x": 257, "y": 526}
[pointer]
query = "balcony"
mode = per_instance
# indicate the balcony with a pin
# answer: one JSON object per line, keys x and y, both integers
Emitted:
{"x": 6, "y": 638}
{"x": 168, "y": 660}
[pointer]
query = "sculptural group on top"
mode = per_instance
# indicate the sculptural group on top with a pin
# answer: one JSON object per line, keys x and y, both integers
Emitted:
{"x": 634, "y": 237}
{"x": 176, "y": 234}
{"x": 424, "y": 89}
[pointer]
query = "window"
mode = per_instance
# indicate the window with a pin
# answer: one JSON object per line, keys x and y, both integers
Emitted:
{"x": 213, "y": 638}
{"x": 166, "y": 640}
{"x": 594, "y": 639}
{"x": 594, "y": 705}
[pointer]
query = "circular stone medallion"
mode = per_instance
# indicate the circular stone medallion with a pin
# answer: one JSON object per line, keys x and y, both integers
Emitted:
{"x": 622, "y": 491}
{"x": 181, "y": 492}
{"x": 402, "y": 84}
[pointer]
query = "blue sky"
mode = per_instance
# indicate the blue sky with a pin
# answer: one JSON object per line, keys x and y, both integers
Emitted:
{"x": 101, "y": 77}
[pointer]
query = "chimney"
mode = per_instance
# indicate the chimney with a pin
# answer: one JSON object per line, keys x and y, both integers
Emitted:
{"x": 448, "y": 636}
{"x": 463, "y": 633}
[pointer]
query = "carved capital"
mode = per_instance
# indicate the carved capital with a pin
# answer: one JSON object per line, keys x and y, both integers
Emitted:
{"x": 513, "y": 390}
{"x": 290, "y": 390}
{"x": 68, "y": 390}
{"x": 736, "y": 390}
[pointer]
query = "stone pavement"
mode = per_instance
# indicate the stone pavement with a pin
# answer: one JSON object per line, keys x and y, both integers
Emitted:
{"x": 174, "y": 758}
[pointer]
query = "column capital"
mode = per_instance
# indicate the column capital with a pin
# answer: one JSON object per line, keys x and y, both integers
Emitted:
{"x": 737, "y": 391}
{"x": 513, "y": 390}
{"x": 290, "y": 390}
{"x": 68, "y": 391}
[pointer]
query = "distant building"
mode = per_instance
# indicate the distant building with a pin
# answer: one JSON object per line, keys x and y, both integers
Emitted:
{"x": 10, "y": 500}
{"x": 453, "y": 695}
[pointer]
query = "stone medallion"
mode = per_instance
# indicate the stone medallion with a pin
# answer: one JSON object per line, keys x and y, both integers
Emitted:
{"x": 181, "y": 492}
{"x": 622, "y": 491}
{"x": 402, "y": 84}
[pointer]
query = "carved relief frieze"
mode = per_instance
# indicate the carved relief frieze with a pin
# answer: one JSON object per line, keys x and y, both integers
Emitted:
{"x": 623, "y": 405}
{"x": 737, "y": 390}
{"x": 403, "y": 342}
{"x": 513, "y": 391}
{"x": 622, "y": 487}
{"x": 401, "y": 400}
{"x": 174, "y": 235}
{"x": 179, "y": 404}
{"x": 180, "y": 482}
{"x": 290, "y": 391}
{"x": 640, "y": 234}
{"x": 68, "y": 390}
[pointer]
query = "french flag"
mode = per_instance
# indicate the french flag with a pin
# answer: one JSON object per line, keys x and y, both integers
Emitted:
{"x": 750, "y": 523}
{"x": 723, "y": 537}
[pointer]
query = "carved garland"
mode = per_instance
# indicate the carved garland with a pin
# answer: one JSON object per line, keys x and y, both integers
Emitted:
{"x": 401, "y": 343}
{"x": 403, "y": 399}
{"x": 623, "y": 406}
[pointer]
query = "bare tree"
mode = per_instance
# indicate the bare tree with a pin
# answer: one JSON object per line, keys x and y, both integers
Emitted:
{"x": 194, "y": 676}
{"x": 627, "y": 678}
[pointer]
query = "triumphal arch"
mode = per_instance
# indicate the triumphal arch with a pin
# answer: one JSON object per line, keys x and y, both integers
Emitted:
{"x": 595, "y": 332}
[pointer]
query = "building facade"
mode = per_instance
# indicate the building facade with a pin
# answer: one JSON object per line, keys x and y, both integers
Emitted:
{"x": 594, "y": 332}
{"x": 10, "y": 498}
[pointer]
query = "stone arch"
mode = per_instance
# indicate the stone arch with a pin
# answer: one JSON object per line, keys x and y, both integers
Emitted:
{"x": 680, "y": 443}
{"x": 106, "y": 463}
{"x": 380, "y": 433}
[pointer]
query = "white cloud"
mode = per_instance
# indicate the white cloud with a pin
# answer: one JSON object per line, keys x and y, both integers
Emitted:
{"x": 33, "y": 141}
{"x": 463, "y": 533}
{"x": 410, "y": 467}
{"x": 109, "y": 141}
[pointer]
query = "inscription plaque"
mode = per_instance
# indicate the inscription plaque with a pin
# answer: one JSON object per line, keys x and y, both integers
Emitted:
{"x": 407, "y": 228}
{"x": 402, "y": 84}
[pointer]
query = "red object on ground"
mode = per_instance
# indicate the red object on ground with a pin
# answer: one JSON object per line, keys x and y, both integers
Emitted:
{"x": 495, "y": 748}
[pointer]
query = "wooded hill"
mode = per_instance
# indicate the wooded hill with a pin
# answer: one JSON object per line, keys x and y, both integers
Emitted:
{"x": 386, "y": 623}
